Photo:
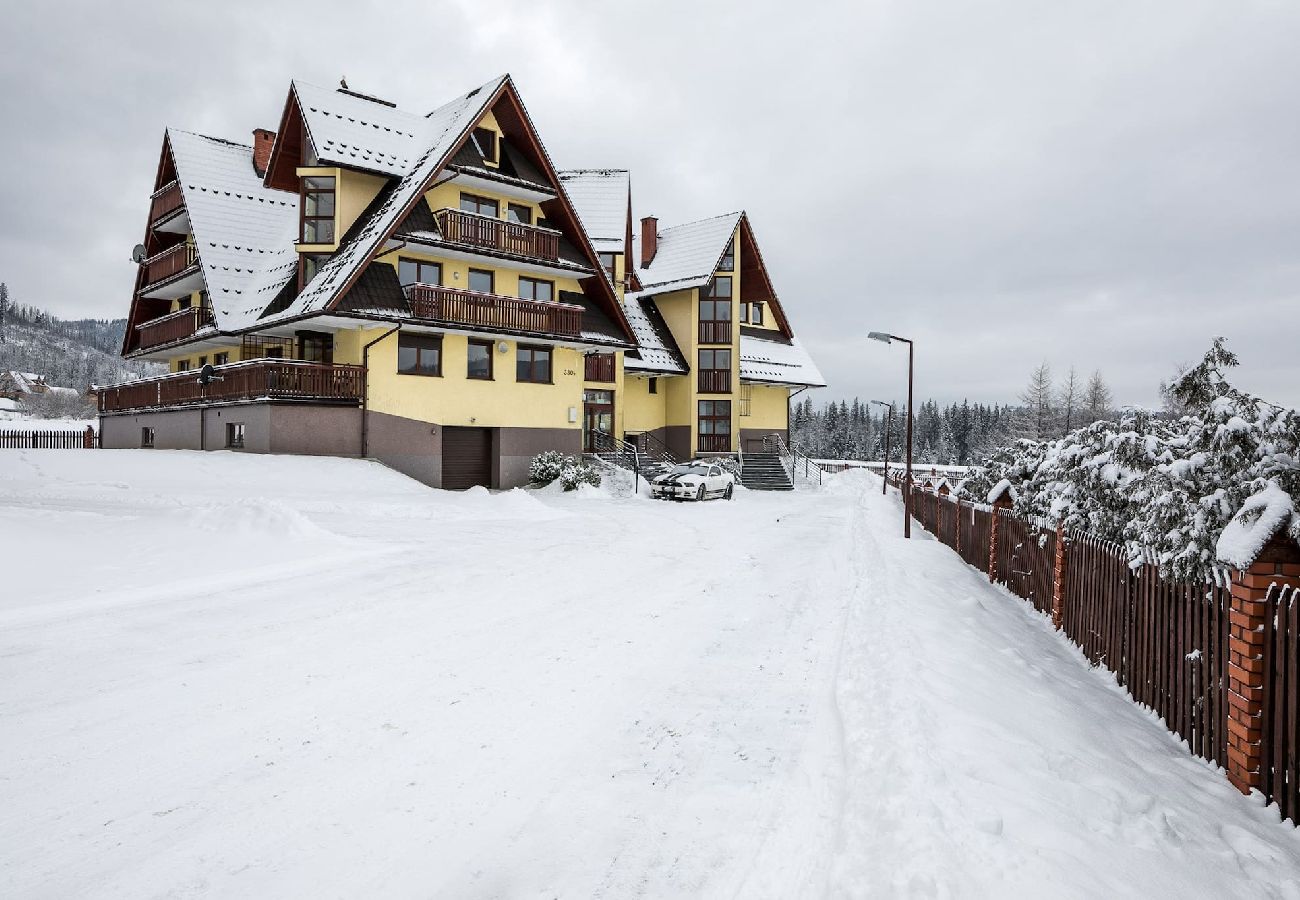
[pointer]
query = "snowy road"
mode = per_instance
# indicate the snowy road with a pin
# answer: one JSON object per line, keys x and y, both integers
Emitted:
{"x": 239, "y": 676}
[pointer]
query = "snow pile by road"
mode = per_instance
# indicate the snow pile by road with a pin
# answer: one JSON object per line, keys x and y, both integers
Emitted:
{"x": 355, "y": 686}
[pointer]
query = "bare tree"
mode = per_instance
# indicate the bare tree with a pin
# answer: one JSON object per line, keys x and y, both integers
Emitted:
{"x": 1037, "y": 400}
{"x": 4, "y": 308}
{"x": 1070, "y": 396}
{"x": 1097, "y": 399}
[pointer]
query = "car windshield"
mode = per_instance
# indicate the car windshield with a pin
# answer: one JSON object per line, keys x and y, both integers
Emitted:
{"x": 690, "y": 470}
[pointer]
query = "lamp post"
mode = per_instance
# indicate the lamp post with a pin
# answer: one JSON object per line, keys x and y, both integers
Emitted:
{"x": 889, "y": 426}
{"x": 887, "y": 338}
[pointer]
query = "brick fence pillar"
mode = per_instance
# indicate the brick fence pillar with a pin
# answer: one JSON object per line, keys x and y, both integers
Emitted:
{"x": 1058, "y": 581}
{"x": 88, "y": 438}
{"x": 1278, "y": 563}
{"x": 1000, "y": 504}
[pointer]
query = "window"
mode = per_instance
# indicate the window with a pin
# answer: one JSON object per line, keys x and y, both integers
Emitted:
{"x": 720, "y": 286}
{"x": 746, "y": 399}
{"x": 203, "y": 361}
{"x": 715, "y": 371}
{"x": 419, "y": 354}
{"x": 480, "y": 360}
{"x": 758, "y": 314}
{"x": 182, "y": 365}
{"x": 607, "y": 263}
{"x": 744, "y": 312}
{"x": 715, "y": 426}
{"x": 516, "y": 212}
{"x": 311, "y": 263}
{"x": 318, "y": 209}
{"x": 728, "y": 263}
{"x": 535, "y": 289}
{"x": 220, "y": 359}
{"x": 654, "y": 385}
{"x": 715, "y": 312}
{"x": 482, "y": 281}
{"x": 533, "y": 364}
{"x": 414, "y": 271}
{"x": 485, "y": 139}
{"x": 146, "y": 438}
{"x": 316, "y": 346}
{"x": 483, "y": 206}
{"x": 235, "y": 435}
{"x": 183, "y": 303}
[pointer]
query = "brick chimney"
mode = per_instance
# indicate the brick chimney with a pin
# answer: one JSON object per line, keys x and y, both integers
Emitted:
{"x": 649, "y": 239}
{"x": 263, "y": 141}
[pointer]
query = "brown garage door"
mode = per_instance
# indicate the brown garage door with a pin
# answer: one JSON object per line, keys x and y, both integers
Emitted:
{"x": 466, "y": 458}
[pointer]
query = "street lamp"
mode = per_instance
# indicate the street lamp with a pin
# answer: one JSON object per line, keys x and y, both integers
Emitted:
{"x": 887, "y": 338}
{"x": 889, "y": 426}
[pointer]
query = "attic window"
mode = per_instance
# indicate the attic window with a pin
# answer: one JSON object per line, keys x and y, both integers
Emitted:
{"x": 485, "y": 139}
{"x": 728, "y": 263}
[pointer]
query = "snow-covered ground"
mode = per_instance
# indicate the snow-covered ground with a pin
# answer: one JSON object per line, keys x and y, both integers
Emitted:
{"x": 235, "y": 675}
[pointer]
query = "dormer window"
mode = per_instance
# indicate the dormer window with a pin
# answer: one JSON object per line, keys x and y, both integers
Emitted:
{"x": 485, "y": 139}
{"x": 318, "y": 209}
{"x": 728, "y": 263}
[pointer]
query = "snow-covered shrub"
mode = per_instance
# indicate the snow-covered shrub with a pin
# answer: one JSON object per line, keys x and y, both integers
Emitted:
{"x": 577, "y": 473}
{"x": 1153, "y": 484}
{"x": 547, "y": 466}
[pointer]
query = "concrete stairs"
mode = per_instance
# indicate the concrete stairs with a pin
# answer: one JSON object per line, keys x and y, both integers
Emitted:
{"x": 764, "y": 472}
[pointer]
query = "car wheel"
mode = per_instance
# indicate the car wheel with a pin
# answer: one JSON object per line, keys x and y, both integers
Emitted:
{"x": 729, "y": 491}
{"x": 699, "y": 495}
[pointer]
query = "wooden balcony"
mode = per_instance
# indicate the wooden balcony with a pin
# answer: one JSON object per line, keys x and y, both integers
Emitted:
{"x": 599, "y": 367}
{"x": 497, "y": 234}
{"x": 166, "y": 200}
{"x": 173, "y": 327}
{"x": 169, "y": 263}
{"x": 258, "y": 379}
{"x": 714, "y": 381}
{"x": 469, "y": 309}
{"x": 715, "y": 332}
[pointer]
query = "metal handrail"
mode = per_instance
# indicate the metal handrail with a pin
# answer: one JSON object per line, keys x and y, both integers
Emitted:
{"x": 790, "y": 459}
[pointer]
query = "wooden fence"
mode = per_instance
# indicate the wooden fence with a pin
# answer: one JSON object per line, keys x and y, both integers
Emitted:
{"x": 1166, "y": 642}
{"x": 11, "y": 439}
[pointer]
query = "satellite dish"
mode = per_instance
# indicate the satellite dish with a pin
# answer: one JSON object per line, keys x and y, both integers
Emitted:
{"x": 137, "y": 255}
{"x": 208, "y": 374}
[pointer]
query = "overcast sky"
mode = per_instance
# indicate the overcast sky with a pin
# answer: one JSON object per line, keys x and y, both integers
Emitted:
{"x": 1099, "y": 184}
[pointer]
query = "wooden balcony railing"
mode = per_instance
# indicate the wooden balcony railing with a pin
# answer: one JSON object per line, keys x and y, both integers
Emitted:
{"x": 715, "y": 443}
{"x": 258, "y": 379}
{"x": 174, "y": 326}
{"x": 497, "y": 234}
{"x": 166, "y": 200}
{"x": 715, "y": 381}
{"x": 172, "y": 261}
{"x": 715, "y": 332}
{"x": 469, "y": 308}
{"x": 599, "y": 367}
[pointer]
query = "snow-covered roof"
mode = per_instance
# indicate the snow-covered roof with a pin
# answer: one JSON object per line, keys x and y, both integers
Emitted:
{"x": 656, "y": 351}
{"x": 600, "y": 198}
{"x": 22, "y": 382}
{"x": 1262, "y": 516}
{"x": 778, "y": 361}
{"x": 686, "y": 255}
{"x": 445, "y": 126}
{"x": 1001, "y": 489}
{"x": 244, "y": 231}
{"x": 348, "y": 130}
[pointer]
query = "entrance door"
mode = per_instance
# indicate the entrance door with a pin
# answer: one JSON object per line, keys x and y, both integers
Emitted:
{"x": 466, "y": 458}
{"x": 597, "y": 420}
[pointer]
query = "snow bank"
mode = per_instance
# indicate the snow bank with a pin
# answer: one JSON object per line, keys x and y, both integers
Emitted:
{"x": 1262, "y": 515}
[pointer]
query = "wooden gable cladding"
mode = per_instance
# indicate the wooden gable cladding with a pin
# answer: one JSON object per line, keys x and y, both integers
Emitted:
{"x": 143, "y": 309}
{"x": 286, "y": 154}
{"x": 518, "y": 129}
{"x": 755, "y": 285}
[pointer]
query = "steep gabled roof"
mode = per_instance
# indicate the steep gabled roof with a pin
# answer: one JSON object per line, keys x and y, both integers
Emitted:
{"x": 600, "y": 198}
{"x": 347, "y": 130}
{"x": 771, "y": 358}
{"x": 687, "y": 255}
{"x": 656, "y": 351}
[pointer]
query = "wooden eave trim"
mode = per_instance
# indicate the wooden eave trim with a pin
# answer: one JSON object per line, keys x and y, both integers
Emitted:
{"x": 294, "y": 110}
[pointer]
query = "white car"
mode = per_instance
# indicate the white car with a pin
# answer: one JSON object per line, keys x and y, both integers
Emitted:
{"x": 694, "y": 481}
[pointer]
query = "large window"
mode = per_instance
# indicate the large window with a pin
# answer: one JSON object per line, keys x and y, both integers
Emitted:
{"x": 516, "y": 212}
{"x": 728, "y": 263}
{"x": 485, "y": 139}
{"x": 146, "y": 438}
{"x": 316, "y": 346}
{"x": 533, "y": 364}
{"x": 715, "y": 426}
{"x": 234, "y": 435}
{"x": 715, "y": 312}
{"x": 482, "y": 281}
{"x": 318, "y": 209}
{"x": 419, "y": 354}
{"x": 414, "y": 271}
{"x": 536, "y": 289}
{"x": 480, "y": 360}
{"x": 715, "y": 371}
{"x": 310, "y": 265}
{"x": 483, "y": 206}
